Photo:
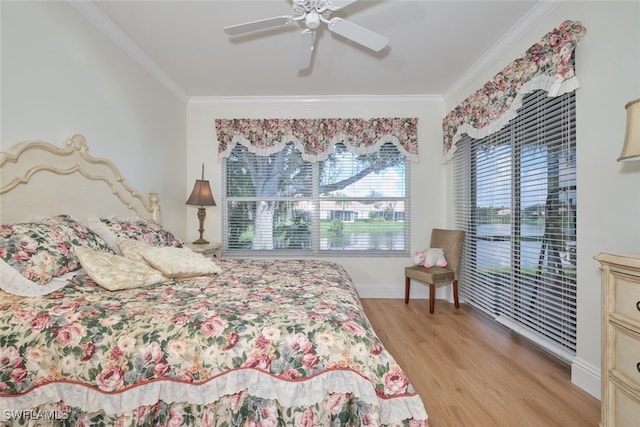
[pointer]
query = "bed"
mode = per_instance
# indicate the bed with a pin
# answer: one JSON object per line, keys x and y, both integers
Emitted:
{"x": 116, "y": 332}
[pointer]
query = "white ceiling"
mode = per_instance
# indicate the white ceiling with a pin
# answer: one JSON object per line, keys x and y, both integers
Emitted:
{"x": 434, "y": 45}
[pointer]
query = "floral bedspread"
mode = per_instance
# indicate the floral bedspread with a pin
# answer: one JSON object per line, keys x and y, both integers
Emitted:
{"x": 265, "y": 342}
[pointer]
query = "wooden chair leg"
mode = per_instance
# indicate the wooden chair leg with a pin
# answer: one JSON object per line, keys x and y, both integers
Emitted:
{"x": 455, "y": 294}
{"x": 432, "y": 297}
{"x": 407, "y": 288}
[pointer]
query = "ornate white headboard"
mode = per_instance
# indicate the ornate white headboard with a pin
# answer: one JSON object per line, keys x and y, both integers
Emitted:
{"x": 38, "y": 179}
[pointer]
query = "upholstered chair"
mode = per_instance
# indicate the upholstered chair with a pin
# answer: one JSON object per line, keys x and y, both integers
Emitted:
{"x": 451, "y": 242}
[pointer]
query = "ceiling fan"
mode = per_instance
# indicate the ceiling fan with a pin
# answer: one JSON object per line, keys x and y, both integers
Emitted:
{"x": 312, "y": 13}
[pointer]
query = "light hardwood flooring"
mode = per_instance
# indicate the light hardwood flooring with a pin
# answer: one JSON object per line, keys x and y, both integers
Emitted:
{"x": 471, "y": 371}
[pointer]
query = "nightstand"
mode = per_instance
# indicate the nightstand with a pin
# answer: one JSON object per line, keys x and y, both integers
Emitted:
{"x": 213, "y": 250}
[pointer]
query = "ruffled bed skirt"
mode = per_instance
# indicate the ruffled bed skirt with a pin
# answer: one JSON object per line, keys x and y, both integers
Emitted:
{"x": 240, "y": 409}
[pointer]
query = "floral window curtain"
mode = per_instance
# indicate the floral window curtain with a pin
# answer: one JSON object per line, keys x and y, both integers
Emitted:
{"x": 547, "y": 65}
{"x": 315, "y": 138}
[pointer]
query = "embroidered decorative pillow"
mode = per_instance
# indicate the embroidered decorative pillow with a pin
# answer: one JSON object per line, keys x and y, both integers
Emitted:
{"x": 171, "y": 261}
{"x": 43, "y": 249}
{"x": 179, "y": 262}
{"x": 133, "y": 228}
{"x": 116, "y": 272}
{"x": 132, "y": 248}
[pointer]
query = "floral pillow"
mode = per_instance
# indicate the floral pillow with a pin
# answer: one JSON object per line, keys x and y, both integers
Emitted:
{"x": 133, "y": 228}
{"x": 43, "y": 249}
{"x": 15, "y": 283}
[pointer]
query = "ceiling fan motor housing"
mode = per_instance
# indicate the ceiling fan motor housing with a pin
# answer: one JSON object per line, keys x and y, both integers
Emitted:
{"x": 316, "y": 9}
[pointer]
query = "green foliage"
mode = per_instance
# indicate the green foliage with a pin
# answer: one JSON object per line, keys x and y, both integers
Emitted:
{"x": 294, "y": 233}
{"x": 376, "y": 217}
{"x": 336, "y": 226}
{"x": 247, "y": 235}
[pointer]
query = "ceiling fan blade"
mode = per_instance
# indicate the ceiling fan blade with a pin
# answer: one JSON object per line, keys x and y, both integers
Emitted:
{"x": 339, "y": 4}
{"x": 358, "y": 34}
{"x": 258, "y": 25}
{"x": 305, "y": 49}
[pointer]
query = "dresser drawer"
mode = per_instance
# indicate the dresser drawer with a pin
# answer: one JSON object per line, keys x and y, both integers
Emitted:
{"x": 626, "y": 354}
{"x": 626, "y": 408}
{"x": 627, "y": 297}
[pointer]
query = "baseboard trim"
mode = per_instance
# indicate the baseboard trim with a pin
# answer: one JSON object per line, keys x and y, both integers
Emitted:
{"x": 587, "y": 377}
{"x": 418, "y": 291}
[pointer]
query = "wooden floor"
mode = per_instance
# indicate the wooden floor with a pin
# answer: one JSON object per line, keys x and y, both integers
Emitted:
{"x": 470, "y": 371}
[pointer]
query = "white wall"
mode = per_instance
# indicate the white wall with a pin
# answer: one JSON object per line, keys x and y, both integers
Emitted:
{"x": 373, "y": 276}
{"x": 61, "y": 76}
{"x": 608, "y": 69}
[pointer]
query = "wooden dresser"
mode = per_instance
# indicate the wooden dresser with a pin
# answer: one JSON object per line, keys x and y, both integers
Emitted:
{"x": 620, "y": 373}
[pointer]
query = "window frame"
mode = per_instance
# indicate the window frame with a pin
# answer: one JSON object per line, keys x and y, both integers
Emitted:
{"x": 316, "y": 200}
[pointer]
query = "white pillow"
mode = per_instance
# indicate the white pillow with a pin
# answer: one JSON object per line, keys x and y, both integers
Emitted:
{"x": 15, "y": 283}
{"x": 116, "y": 272}
{"x": 103, "y": 230}
{"x": 179, "y": 262}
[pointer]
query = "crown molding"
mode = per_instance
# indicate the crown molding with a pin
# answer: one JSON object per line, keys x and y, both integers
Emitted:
{"x": 319, "y": 99}
{"x": 93, "y": 14}
{"x": 527, "y": 23}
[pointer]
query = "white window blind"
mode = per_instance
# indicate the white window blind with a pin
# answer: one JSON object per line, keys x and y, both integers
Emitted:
{"x": 515, "y": 195}
{"x": 346, "y": 204}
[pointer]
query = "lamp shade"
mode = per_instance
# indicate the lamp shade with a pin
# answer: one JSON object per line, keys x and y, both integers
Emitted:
{"x": 201, "y": 194}
{"x": 631, "y": 149}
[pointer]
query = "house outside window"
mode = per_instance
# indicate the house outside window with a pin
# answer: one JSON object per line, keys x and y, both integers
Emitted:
{"x": 346, "y": 204}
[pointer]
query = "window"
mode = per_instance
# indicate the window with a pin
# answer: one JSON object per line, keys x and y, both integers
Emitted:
{"x": 515, "y": 195}
{"x": 347, "y": 204}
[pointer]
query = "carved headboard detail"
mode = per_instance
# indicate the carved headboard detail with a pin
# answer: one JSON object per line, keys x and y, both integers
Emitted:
{"x": 40, "y": 179}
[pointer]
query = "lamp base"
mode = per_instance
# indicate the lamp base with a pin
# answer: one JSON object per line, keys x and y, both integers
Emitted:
{"x": 202, "y": 213}
{"x": 201, "y": 241}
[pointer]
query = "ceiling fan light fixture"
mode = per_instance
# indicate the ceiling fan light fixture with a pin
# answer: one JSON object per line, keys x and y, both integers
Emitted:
{"x": 312, "y": 20}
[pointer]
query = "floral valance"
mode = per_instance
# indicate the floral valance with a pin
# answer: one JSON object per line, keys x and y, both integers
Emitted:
{"x": 547, "y": 65}
{"x": 315, "y": 138}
